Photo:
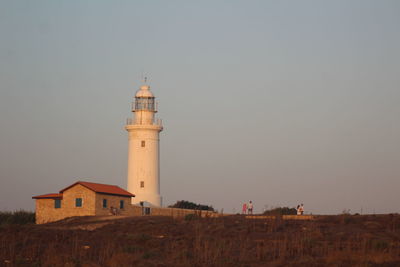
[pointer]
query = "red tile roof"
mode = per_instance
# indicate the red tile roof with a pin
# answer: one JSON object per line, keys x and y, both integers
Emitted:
{"x": 52, "y": 196}
{"x": 102, "y": 188}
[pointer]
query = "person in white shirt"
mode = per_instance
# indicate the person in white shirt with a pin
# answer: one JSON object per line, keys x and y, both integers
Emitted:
{"x": 250, "y": 207}
{"x": 301, "y": 209}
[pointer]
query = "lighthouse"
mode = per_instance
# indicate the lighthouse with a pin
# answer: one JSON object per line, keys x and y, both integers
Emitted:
{"x": 144, "y": 149}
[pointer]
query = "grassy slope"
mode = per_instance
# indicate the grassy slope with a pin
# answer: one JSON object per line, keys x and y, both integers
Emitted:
{"x": 230, "y": 241}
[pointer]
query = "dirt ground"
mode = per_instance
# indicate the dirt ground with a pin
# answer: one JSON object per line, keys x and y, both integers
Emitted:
{"x": 342, "y": 240}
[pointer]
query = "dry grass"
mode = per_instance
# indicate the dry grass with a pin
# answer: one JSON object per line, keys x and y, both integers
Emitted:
{"x": 342, "y": 240}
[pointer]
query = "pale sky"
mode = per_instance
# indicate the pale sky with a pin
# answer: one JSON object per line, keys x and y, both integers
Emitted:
{"x": 278, "y": 102}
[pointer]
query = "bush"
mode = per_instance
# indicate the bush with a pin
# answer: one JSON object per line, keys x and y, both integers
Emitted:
{"x": 281, "y": 211}
{"x": 17, "y": 217}
{"x": 183, "y": 204}
{"x": 190, "y": 217}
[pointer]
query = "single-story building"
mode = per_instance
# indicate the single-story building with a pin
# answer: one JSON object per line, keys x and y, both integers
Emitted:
{"x": 83, "y": 199}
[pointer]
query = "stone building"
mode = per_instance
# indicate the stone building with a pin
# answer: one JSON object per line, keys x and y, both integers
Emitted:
{"x": 83, "y": 199}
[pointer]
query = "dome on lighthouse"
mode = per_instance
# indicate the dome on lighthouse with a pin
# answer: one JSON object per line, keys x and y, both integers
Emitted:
{"x": 144, "y": 91}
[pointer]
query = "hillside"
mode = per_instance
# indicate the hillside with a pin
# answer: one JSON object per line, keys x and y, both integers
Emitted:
{"x": 345, "y": 240}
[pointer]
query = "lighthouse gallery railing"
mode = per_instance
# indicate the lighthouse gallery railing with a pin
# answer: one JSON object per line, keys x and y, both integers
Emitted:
{"x": 132, "y": 121}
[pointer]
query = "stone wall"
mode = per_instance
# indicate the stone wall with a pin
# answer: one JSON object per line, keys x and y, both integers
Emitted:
{"x": 88, "y": 201}
{"x": 298, "y": 217}
{"x": 45, "y": 211}
{"x": 114, "y": 201}
{"x": 283, "y": 217}
{"x": 174, "y": 212}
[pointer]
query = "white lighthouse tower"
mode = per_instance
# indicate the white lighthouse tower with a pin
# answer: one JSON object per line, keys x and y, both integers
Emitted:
{"x": 143, "y": 151}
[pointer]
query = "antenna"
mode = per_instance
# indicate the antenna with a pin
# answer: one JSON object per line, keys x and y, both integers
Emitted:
{"x": 143, "y": 77}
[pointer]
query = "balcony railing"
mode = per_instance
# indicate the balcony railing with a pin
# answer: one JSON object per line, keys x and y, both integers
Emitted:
{"x": 132, "y": 121}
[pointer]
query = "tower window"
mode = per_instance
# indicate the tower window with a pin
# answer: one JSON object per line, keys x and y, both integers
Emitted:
{"x": 78, "y": 202}
{"x": 142, "y": 184}
{"x": 143, "y": 143}
{"x": 121, "y": 204}
{"x": 104, "y": 203}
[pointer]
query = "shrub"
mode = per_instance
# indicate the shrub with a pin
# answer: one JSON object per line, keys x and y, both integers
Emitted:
{"x": 17, "y": 217}
{"x": 281, "y": 211}
{"x": 379, "y": 244}
{"x": 142, "y": 238}
{"x": 347, "y": 219}
{"x": 190, "y": 217}
{"x": 183, "y": 204}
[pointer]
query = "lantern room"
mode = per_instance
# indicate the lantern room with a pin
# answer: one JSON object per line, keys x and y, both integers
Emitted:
{"x": 144, "y": 100}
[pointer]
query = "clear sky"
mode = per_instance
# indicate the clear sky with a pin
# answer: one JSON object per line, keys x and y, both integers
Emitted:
{"x": 278, "y": 102}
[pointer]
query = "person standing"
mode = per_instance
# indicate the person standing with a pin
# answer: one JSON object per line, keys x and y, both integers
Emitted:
{"x": 250, "y": 207}
{"x": 244, "y": 208}
{"x": 301, "y": 209}
{"x": 298, "y": 210}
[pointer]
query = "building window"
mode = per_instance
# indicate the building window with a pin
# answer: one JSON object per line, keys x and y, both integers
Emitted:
{"x": 104, "y": 203}
{"x": 141, "y": 184}
{"x": 121, "y": 204}
{"x": 57, "y": 203}
{"x": 78, "y": 202}
{"x": 143, "y": 143}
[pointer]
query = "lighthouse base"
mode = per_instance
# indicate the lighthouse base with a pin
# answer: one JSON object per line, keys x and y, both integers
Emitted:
{"x": 147, "y": 200}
